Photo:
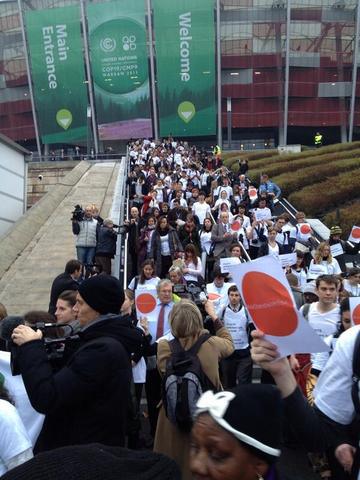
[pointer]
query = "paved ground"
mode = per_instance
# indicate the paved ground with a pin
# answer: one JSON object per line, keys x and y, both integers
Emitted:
{"x": 26, "y": 285}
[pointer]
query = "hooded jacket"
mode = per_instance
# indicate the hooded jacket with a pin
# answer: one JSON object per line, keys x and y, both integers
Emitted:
{"x": 86, "y": 400}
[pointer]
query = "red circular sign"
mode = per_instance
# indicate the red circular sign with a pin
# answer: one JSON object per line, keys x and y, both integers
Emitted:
{"x": 145, "y": 303}
{"x": 305, "y": 228}
{"x": 235, "y": 226}
{"x": 270, "y": 304}
{"x": 252, "y": 192}
{"x": 356, "y": 232}
{"x": 356, "y": 315}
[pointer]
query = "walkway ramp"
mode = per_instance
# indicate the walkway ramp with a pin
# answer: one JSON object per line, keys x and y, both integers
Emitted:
{"x": 37, "y": 247}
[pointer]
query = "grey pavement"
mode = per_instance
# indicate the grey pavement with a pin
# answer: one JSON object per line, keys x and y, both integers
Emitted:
{"x": 41, "y": 255}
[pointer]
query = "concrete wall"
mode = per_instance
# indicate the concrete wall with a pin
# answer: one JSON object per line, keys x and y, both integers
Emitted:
{"x": 12, "y": 186}
{"x": 52, "y": 173}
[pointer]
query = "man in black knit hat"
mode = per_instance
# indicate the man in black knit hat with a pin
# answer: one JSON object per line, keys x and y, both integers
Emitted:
{"x": 86, "y": 400}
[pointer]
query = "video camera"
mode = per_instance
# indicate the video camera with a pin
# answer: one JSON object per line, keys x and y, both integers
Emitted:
{"x": 78, "y": 214}
{"x": 55, "y": 347}
{"x": 192, "y": 291}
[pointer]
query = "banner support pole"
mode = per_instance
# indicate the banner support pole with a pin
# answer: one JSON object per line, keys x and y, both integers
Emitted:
{"x": 218, "y": 63}
{"x": 28, "y": 71}
{"x": 89, "y": 77}
{"x": 152, "y": 72}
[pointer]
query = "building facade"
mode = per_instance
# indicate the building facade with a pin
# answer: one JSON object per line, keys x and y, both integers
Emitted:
{"x": 288, "y": 69}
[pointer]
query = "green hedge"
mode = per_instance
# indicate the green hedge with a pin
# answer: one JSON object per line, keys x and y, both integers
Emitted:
{"x": 301, "y": 177}
{"x": 321, "y": 197}
{"x": 284, "y": 168}
{"x": 348, "y": 217}
{"x": 285, "y": 159}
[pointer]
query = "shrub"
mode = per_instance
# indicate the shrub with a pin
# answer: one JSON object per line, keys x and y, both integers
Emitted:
{"x": 292, "y": 157}
{"x": 301, "y": 177}
{"x": 347, "y": 218}
{"x": 284, "y": 167}
{"x": 320, "y": 197}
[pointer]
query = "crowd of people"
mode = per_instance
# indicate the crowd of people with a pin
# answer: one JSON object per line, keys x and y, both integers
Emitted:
{"x": 189, "y": 217}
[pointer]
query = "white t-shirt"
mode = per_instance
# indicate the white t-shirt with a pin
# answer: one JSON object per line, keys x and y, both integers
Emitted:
{"x": 332, "y": 268}
{"x": 354, "y": 290}
{"x": 205, "y": 241}
{"x": 324, "y": 324}
{"x": 194, "y": 271}
{"x": 262, "y": 213}
{"x": 164, "y": 244}
{"x": 228, "y": 190}
{"x": 274, "y": 251}
{"x": 14, "y": 439}
{"x": 201, "y": 210}
{"x": 333, "y": 389}
{"x": 151, "y": 282}
{"x": 236, "y": 323}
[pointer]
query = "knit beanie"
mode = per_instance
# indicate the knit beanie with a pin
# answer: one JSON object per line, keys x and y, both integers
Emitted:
{"x": 252, "y": 413}
{"x": 103, "y": 293}
{"x": 335, "y": 230}
{"x": 95, "y": 462}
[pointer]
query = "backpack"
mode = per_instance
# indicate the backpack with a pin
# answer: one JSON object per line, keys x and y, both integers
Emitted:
{"x": 184, "y": 382}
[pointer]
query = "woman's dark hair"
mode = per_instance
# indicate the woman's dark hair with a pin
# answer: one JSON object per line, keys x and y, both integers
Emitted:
{"x": 191, "y": 249}
{"x": 344, "y": 306}
{"x": 149, "y": 262}
{"x": 148, "y": 218}
{"x": 160, "y": 219}
{"x": 68, "y": 296}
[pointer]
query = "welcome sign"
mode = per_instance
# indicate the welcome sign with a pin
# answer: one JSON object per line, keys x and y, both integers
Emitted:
{"x": 55, "y": 47}
{"x": 185, "y": 59}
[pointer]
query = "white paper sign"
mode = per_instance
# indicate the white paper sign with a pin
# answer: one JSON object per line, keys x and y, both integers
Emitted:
{"x": 271, "y": 306}
{"x": 288, "y": 259}
{"x": 336, "y": 249}
{"x": 32, "y": 420}
{"x": 315, "y": 270}
{"x": 262, "y": 214}
{"x": 354, "y": 310}
{"x": 355, "y": 234}
{"x": 227, "y": 262}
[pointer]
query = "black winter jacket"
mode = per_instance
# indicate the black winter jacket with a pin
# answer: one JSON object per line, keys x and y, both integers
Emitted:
{"x": 86, "y": 400}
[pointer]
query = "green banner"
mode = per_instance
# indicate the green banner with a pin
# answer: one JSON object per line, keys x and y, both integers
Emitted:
{"x": 185, "y": 61}
{"x": 119, "y": 62}
{"x": 57, "y": 67}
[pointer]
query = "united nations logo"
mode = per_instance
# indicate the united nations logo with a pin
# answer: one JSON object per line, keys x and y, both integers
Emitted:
{"x": 108, "y": 44}
{"x": 129, "y": 42}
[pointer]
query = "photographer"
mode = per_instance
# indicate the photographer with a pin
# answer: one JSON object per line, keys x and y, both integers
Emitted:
{"x": 85, "y": 227}
{"x": 106, "y": 245}
{"x": 86, "y": 400}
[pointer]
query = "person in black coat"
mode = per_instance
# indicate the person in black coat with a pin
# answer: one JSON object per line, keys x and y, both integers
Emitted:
{"x": 106, "y": 246}
{"x": 65, "y": 281}
{"x": 87, "y": 399}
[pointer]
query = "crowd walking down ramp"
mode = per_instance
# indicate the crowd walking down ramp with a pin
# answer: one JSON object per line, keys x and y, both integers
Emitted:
{"x": 33, "y": 252}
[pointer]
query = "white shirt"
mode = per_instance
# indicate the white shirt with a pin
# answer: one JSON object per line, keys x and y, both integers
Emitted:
{"x": 153, "y": 320}
{"x": 354, "y": 290}
{"x": 194, "y": 271}
{"x": 14, "y": 438}
{"x": 262, "y": 213}
{"x": 164, "y": 243}
{"x": 332, "y": 268}
{"x": 228, "y": 190}
{"x": 333, "y": 389}
{"x": 205, "y": 241}
{"x": 201, "y": 210}
{"x": 236, "y": 323}
{"x": 324, "y": 324}
{"x": 150, "y": 282}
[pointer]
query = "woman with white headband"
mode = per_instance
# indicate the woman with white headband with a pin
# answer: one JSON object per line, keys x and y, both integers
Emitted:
{"x": 237, "y": 435}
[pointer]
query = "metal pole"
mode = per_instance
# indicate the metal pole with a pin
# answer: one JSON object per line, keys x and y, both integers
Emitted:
{"x": 89, "y": 77}
{"x": 152, "y": 72}
{"x": 354, "y": 73}
{"x": 28, "y": 71}
{"x": 218, "y": 66}
{"x": 287, "y": 70}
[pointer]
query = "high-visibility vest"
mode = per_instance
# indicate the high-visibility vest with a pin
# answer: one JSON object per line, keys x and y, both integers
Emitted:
{"x": 217, "y": 150}
{"x": 318, "y": 139}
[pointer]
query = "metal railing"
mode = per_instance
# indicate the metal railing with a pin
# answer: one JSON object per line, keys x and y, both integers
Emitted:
{"x": 92, "y": 157}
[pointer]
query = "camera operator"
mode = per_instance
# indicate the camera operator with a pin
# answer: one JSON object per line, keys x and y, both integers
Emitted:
{"x": 85, "y": 227}
{"x": 86, "y": 400}
{"x": 106, "y": 245}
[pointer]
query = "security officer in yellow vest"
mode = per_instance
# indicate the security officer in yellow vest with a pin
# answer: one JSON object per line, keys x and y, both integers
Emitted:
{"x": 318, "y": 139}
